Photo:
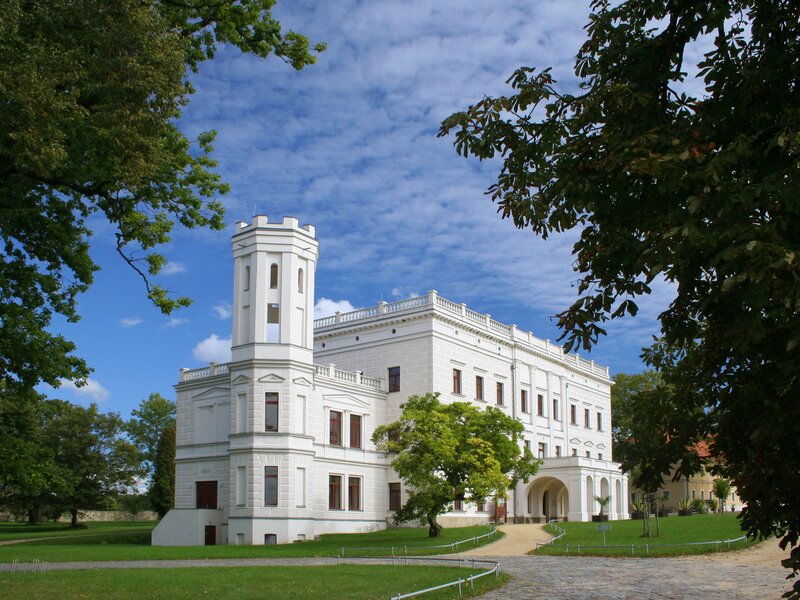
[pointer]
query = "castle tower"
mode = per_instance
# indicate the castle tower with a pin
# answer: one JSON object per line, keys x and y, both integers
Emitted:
{"x": 271, "y": 378}
{"x": 273, "y": 299}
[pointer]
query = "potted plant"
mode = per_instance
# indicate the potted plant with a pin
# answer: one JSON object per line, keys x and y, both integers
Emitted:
{"x": 603, "y": 501}
{"x": 699, "y": 506}
{"x": 638, "y": 509}
{"x": 685, "y": 507}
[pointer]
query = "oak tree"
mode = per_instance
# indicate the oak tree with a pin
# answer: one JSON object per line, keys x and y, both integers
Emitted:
{"x": 687, "y": 173}
{"x": 147, "y": 424}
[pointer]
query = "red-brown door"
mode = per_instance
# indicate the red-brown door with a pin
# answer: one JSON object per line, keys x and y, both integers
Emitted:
{"x": 206, "y": 494}
{"x": 211, "y": 535}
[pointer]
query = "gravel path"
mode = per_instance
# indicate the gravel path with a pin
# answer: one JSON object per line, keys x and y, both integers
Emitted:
{"x": 753, "y": 573}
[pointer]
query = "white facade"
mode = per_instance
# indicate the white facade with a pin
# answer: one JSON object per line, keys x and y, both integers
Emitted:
{"x": 275, "y": 446}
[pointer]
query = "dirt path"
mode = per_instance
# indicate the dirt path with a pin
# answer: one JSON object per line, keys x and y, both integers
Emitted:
{"x": 518, "y": 541}
{"x": 63, "y": 537}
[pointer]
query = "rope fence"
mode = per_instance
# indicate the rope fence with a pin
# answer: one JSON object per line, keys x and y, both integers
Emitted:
{"x": 396, "y": 550}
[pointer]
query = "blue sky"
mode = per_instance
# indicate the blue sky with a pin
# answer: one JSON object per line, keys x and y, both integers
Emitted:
{"x": 350, "y": 145}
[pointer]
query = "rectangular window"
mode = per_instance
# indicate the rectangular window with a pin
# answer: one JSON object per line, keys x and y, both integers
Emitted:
{"x": 335, "y": 492}
{"x": 523, "y": 400}
{"x": 540, "y": 405}
{"x": 665, "y": 494}
{"x": 301, "y": 414}
{"x": 270, "y": 486}
{"x": 599, "y": 422}
{"x": 573, "y": 414}
{"x": 241, "y": 485}
{"x": 394, "y": 379}
{"x": 574, "y": 452}
{"x": 542, "y": 450}
{"x": 586, "y": 418}
{"x": 394, "y": 496}
{"x": 241, "y": 413}
{"x": 481, "y": 507}
{"x": 336, "y": 428}
{"x": 458, "y": 504}
{"x": 271, "y": 412}
{"x": 693, "y": 494}
{"x": 702, "y": 494}
{"x": 528, "y": 445}
{"x": 300, "y": 487}
{"x": 478, "y": 387}
{"x": 456, "y": 381}
{"x": 354, "y": 493}
{"x": 273, "y": 323}
{"x": 355, "y": 431}
{"x": 558, "y": 451}
{"x": 588, "y": 454}
{"x": 600, "y": 455}
{"x": 555, "y": 409}
{"x": 500, "y": 399}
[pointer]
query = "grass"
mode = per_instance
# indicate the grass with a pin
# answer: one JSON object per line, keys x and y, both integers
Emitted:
{"x": 20, "y": 531}
{"x": 276, "y": 583}
{"x": 116, "y": 544}
{"x": 673, "y": 530}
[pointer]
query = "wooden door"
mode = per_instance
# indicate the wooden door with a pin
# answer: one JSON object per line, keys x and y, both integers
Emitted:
{"x": 206, "y": 494}
{"x": 211, "y": 535}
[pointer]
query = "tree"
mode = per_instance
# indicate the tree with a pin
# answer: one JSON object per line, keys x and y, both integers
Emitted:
{"x": 94, "y": 460}
{"x": 690, "y": 177}
{"x": 626, "y": 387}
{"x": 162, "y": 490}
{"x": 134, "y": 504}
{"x": 603, "y": 501}
{"x": 91, "y": 92}
{"x": 449, "y": 452}
{"x": 147, "y": 425}
{"x": 722, "y": 489}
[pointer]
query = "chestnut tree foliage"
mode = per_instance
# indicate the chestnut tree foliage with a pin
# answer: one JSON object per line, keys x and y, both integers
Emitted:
{"x": 90, "y": 91}
{"x": 448, "y": 452}
{"x": 688, "y": 173}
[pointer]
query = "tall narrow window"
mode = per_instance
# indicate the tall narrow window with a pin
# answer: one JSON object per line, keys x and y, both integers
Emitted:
{"x": 481, "y": 506}
{"x": 542, "y": 450}
{"x": 586, "y": 418}
{"x": 336, "y": 428}
{"x": 273, "y": 276}
{"x": 335, "y": 492}
{"x": 270, "y": 486}
{"x": 555, "y": 409}
{"x": 540, "y": 405}
{"x": 500, "y": 399}
{"x": 300, "y": 487}
{"x": 456, "y": 381}
{"x": 241, "y": 413}
{"x": 354, "y": 493}
{"x": 246, "y": 278}
{"x": 573, "y": 414}
{"x": 478, "y": 387}
{"x": 355, "y": 431}
{"x": 458, "y": 504}
{"x": 273, "y": 323}
{"x": 300, "y": 281}
{"x": 241, "y": 486}
{"x": 394, "y": 379}
{"x": 599, "y": 422}
{"x": 523, "y": 400}
{"x": 394, "y": 496}
{"x": 271, "y": 412}
{"x": 558, "y": 451}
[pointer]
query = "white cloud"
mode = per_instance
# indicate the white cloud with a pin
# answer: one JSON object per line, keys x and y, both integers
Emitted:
{"x": 213, "y": 349}
{"x": 172, "y": 268}
{"x": 176, "y": 322}
{"x": 223, "y": 310}
{"x": 325, "y": 307}
{"x": 92, "y": 389}
{"x": 130, "y": 321}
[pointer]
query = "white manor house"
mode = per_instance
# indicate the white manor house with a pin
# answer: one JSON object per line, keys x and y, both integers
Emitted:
{"x": 275, "y": 446}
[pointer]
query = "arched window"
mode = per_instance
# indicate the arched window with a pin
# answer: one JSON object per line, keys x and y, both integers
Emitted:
{"x": 246, "y": 278}
{"x": 273, "y": 276}
{"x": 300, "y": 281}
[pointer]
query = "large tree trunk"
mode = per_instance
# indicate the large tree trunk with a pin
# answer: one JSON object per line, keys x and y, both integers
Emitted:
{"x": 434, "y": 529}
{"x": 33, "y": 516}
{"x": 74, "y": 522}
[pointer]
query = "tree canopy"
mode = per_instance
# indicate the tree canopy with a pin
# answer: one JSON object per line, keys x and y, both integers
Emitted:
{"x": 162, "y": 491}
{"x": 624, "y": 392}
{"x": 449, "y": 452}
{"x": 91, "y": 91}
{"x": 687, "y": 173}
{"x": 146, "y": 426}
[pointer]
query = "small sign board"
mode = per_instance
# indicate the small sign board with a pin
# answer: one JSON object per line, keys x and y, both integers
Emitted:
{"x": 604, "y": 528}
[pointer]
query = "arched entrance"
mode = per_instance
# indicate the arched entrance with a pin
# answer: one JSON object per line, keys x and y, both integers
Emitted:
{"x": 548, "y": 499}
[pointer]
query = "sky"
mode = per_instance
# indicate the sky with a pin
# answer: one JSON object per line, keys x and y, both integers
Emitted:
{"x": 349, "y": 145}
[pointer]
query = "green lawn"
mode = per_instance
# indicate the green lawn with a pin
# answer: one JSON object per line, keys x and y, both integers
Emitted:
{"x": 673, "y": 530}
{"x": 276, "y": 583}
{"x": 117, "y": 545}
{"x": 20, "y": 531}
